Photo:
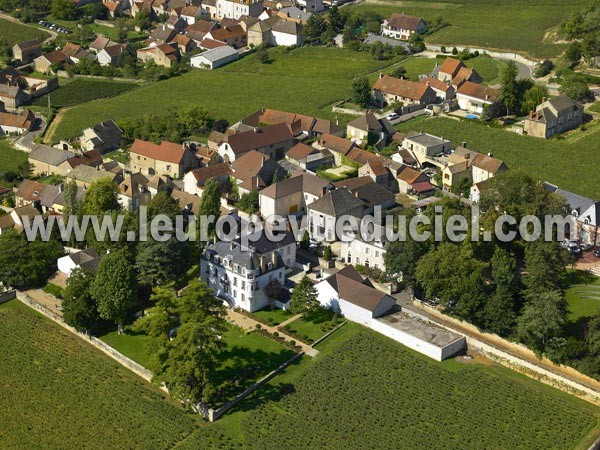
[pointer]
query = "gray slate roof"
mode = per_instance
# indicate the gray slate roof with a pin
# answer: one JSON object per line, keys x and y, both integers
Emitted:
{"x": 50, "y": 155}
{"x": 336, "y": 203}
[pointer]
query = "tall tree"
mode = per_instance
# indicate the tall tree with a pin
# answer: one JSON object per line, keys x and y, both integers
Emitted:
{"x": 509, "y": 92}
{"x": 314, "y": 27}
{"x": 304, "y": 298}
{"x": 336, "y": 19}
{"x": 115, "y": 287}
{"x": 210, "y": 205}
{"x": 401, "y": 259}
{"x": 499, "y": 311}
{"x": 361, "y": 91}
{"x": 185, "y": 334}
{"x": 544, "y": 267}
{"x": 533, "y": 97}
{"x": 79, "y": 308}
{"x": 162, "y": 203}
{"x": 273, "y": 290}
{"x": 542, "y": 319}
{"x": 160, "y": 262}
{"x": 63, "y": 9}
{"x": 101, "y": 198}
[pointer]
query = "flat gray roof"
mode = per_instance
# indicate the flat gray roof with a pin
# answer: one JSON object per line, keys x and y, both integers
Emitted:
{"x": 425, "y": 331}
{"x": 427, "y": 139}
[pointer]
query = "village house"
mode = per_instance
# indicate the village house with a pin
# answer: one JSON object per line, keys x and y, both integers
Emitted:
{"x": 184, "y": 43}
{"x": 466, "y": 74}
{"x": 112, "y": 55}
{"x": 162, "y": 55}
{"x": 238, "y": 275}
{"x": 190, "y": 14}
{"x": 260, "y": 33}
{"x": 29, "y": 193}
{"x": 272, "y": 140}
{"x": 337, "y": 146}
{"x": 235, "y": 9}
{"x": 443, "y": 90}
{"x": 424, "y": 146}
{"x": 91, "y": 158}
{"x": 302, "y": 126}
{"x": 85, "y": 176}
{"x": 309, "y": 158}
{"x": 312, "y": 6}
{"x": 255, "y": 171}
{"x": 369, "y": 252}
{"x": 370, "y": 193}
{"x": 197, "y": 32}
{"x": 484, "y": 167}
{"x": 11, "y": 124}
{"x": 100, "y": 43}
{"x": 449, "y": 69}
{"x": 194, "y": 180}
{"x": 454, "y": 173}
{"x": 46, "y": 160}
{"x": 45, "y": 63}
{"x": 402, "y": 26}
{"x": 286, "y": 33}
{"x": 217, "y": 57}
{"x": 15, "y": 219}
{"x": 17, "y": 89}
{"x": 104, "y": 137}
{"x": 235, "y": 35}
{"x": 324, "y": 213}
{"x": 368, "y": 129}
{"x": 167, "y": 158}
{"x": 554, "y": 116}
{"x": 291, "y": 196}
{"x": 26, "y": 52}
{"x": 375, "y": 169}
{"x": 411, "y": 181}
{"x": 88, "y": 259}
{"x": 389, "y": 90}
{"x": 473, "y": 97}
{"x": 113, "y": 8}
{"x": 76, "y": 53}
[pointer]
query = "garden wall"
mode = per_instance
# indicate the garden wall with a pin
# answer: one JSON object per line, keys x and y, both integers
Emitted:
{"x": 100, "y": 345}
{"x": 8, "y": 295}
{"x": 494, "y": 54}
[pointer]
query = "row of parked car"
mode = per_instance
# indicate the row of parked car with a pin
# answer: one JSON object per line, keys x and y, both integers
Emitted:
{"x": 54, "y": 27}
{"x": 577, "y": 248}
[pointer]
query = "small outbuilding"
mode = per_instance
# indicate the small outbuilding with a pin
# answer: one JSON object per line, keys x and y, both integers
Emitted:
{"x": 215, "y": 58}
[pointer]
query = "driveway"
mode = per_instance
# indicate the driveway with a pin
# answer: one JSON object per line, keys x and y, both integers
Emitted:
{"x": 26, "y": 141}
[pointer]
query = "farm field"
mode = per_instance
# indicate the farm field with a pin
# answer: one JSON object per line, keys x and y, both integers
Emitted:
{"x": 506, "y": 25}
{"x": 62, "y": 393}
{"x": 13, "y": 32}
{"x": 569, "y": 163}
{"x": 71, "y": 93}
{"x": 109, "y": 32}
{"x": 306, "y": 80}
{"x": 408, "y": 401}
{"x": 10, "y": 159}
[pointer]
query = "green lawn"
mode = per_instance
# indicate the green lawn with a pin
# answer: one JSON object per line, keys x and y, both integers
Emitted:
{"x": 595, "y": 107}
{"x": 571, "y": 163}
{"x": 10, "y": 159}
{"x": 306, "y": 80}
{"x": 509, "y": 24}
{"x": 109, "y": 32}
{"x": 311, "y": 328}
{"x": 583, "y": 296}
{"x": 59, "y": 392}
{"x": 13, "y": 32}
{"x": 366, "y": 391}
{"x": 130, "y": 344}
{"x": 278, "y": 315}
{"x": 82, "y": 90}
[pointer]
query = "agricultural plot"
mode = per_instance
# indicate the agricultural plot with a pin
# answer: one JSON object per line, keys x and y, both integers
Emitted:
{"x": 10, "y": 159}
{"x": 365, "y": 391}
{"x": 83, "y": 90}
{"x": 58, "y": 392}
{"x": 13, "y": 32}
{"x": 569, "y": 163}
{"x": 305, "y": 80}
{"x": 507, "y": 25}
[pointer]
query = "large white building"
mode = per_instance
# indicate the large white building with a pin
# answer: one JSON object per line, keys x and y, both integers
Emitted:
{"x": 236, "y": 9}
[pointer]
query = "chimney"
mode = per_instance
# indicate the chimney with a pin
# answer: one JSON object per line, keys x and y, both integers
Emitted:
{"x": 256, "y": 130}
{"x": 490, "y": 155}
{"x": 544, "y": 99}
{"x": 467, "y": 155}
{"x": 261, "y": 263}
{"x": 356, "y": 193}
{"x": 274, "y": 258}
{"x": 531, "y": 114}
{"x": 61, "y": 187}
{"x": 464, "y": 144}
{"x": 231, "y": 246}
{"x": 380, "y": 75}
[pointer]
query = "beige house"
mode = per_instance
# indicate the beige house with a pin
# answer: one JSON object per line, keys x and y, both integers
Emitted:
{"x": 162, "y": 55}
{"x": 44, "y": 63}
{"x": 554, "y": 116}
{"x": 273, "y": 141}
{"x": 388, "y": 90}
{"x": 167, "y": 158}
{"x": 194, "y": 180}
{"x": 45, "y": 160}
{"x": 368, "y": 129}
{"x": 292, "y": 195}
{"x": 473, "y": 97}
{"x": 26, "y": 52}
{"x": 402, "y": 26}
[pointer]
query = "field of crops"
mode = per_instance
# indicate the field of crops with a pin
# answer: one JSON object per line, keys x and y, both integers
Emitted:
{"x": 365, "y": 391}
{"x": 571, "y": 163}
{"x": 13, "y": 32}
{"x": 510, "y": 24}
{"x": 306, "y": 80}
{"x": 83, "y": 90}
{"x": 10, "y": 159}
{"x": 58, "y": 392}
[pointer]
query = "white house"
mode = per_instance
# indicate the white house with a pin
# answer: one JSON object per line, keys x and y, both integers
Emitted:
{"x": 85, "y": 259}
{"x": 473, "y": 97}
{"x": 286, "y": 33}
{"x": 16, "y": 123}
{"x": 236, "y": 9}
{"x": 402, "y": 26}
{"x": 311, "y": 6}
{"x": 238, "y": 275}
{"x": 217, "y": 57}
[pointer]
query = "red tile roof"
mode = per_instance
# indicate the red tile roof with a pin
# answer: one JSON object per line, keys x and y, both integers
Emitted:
{"x": 480, "y": 91}
{"x": 436, "y": 84}
{"x": 451, "y": 66}
{"x": 402, "y": 88}
{"x": 24, "y": 120}
{"x": 404, "y": 22}
{"x": 166, "y": 151}
{"x": 261, "y": 137}
{"x": 209, "y": 44}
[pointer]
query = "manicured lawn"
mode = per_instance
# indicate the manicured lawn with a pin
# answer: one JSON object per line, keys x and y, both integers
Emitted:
{"x": 83, "y": 90}
{"x": 571, "y": 163}
{"x": 59, "y": 392}
{"x": 308, "y": 328}
{"x": 278, "y": 315}
{"x": 490, "y": 69}
{"x": 10, "y": 159}
{"x": 306, "y": 80}
{"x": 510, "y": 24}
{"x": 583, "y": 296}
{"x": 130, "y": 344}
{"x": 366, "y": 391}
{"x": 13, "y": 32}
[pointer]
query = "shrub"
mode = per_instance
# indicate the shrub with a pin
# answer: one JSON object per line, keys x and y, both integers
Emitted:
{"x": 293, "y": 343}
{"x": 270, "y": 320}
{"x": 443, "y": 49}
{"x": 276, "y": 333}
{"x": 258, "y": 326}
{"x": 455, "y": 51}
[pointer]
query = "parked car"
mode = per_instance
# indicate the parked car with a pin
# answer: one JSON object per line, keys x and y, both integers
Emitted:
{"x": 392, "y": 116}
{"x": 596, "y": 253}
{"x": 585, "y": 247}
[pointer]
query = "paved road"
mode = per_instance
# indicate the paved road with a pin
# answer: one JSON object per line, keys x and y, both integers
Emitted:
{"x": 26, "y": 142}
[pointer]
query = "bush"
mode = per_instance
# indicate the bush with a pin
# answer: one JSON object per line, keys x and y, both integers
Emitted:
{"x": 455, "y": 51}
{"x": 270, "y": 320}
{"x": 443, "y": 49}
{"x": 276, "y": 333}
{"x": 293, "y": 343}
{"x": 258, "y": 326}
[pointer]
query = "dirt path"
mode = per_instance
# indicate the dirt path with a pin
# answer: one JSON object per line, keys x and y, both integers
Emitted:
{"x": 51, "y": 128}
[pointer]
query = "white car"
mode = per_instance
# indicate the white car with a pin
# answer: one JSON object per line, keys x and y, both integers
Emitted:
{"x": 392, "y": 116}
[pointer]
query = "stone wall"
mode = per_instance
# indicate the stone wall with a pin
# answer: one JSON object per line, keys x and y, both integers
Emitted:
{"x": 8, "y": 295}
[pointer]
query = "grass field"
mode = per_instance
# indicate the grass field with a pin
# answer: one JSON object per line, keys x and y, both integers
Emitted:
{"x": 595, "y": 107}
{"x": 570, "y": 163}
{"x": 278, "y": 315}
{"x": 10, "y": 159}
{"x": 307, "y": 80}
{"x": 82, "y": 90}
{"x": 365, "y": 391}
{"x": 58, "y": 392}
{"x": 13, "y": 32}
{"x": 510, "y": 24}
{"x": 583, "y": 297}
{"x": 109, "y": 32}
{"x": 130, "y": 344}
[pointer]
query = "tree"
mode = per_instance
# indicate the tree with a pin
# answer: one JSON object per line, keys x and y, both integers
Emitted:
{"x": 593, "y": 336}
{"x": 273, "y": 290}
{"x": 335, "y": 19}
{"x": 72, "y": 204}
{"x": 573, "y": 52}
{"x": 542, "y": 319}
{"x": 304, "y": 299}
{"x": 544, "y": 267}
{"x": 63, "y": 9}
{"x": 314, "y": 28}
{"x": 160, "y": 262}
{"x": 533, "y": 97}
{"x": 115, "y": 288}
{"x": 361, "y": 91}
{"x": 79, "y": 308}
{"x": 508, "y": 94}
{"x": 263, "y": 55}
{"x": 398, "y": 72}
{"x": 348, "y": 34}
{"x": 163, "y": 204}
{"x": 248, "y": 202}
{"x": 101, "y": 198}
{"x": 401, "y": 258}
{"x": 454, "y": 51}
{"x": 499, "y": 311}
{"x": 327, "y": 35}
{"x": 210, "y": 206}
{"x": 185, "y": 341}
{"x": 327, "y": 253}
{"x": 376, "y": 50}
{"x": 577, "y": 90}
